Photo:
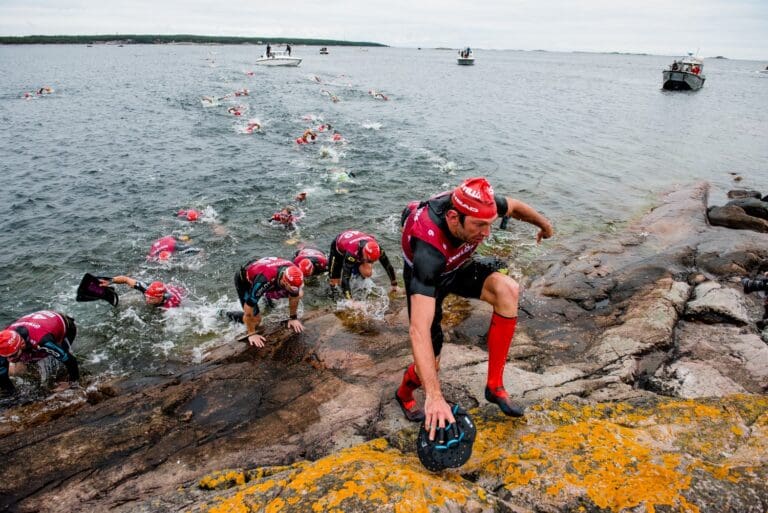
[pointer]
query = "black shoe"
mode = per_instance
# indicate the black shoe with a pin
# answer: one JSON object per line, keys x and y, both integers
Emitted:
{"x": 414, "y": 415}
{"x": 500, "y": 398}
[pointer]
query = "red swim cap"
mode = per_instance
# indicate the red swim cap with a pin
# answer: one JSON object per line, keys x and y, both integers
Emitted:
{"x": 474, "y": 197}
{"x": 306, "y": 266}
{"x": 192, "y": 215}
{"x": 164, "y": 255}
{"x": 10, "y": 342}
{"x": 371, "y": 251}
{"x": 155, "y": 290}
{"x": 293, "y": 276}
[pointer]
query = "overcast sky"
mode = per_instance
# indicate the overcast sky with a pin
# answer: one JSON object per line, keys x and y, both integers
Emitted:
{"x": 732, "y": 28}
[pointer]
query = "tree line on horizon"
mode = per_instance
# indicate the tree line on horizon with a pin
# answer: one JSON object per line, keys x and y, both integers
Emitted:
{"x": 176, "y": 38}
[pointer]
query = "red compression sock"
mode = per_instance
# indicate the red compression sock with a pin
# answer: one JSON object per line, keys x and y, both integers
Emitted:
{"x": 499, "y": 339}
{"x": 410, "y": 383}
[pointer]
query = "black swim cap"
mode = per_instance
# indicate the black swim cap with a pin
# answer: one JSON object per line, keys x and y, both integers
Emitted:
{"x": 451, "y": 447}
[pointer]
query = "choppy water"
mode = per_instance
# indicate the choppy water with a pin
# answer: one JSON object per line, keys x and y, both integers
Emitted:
{"x": 94, "y": 172}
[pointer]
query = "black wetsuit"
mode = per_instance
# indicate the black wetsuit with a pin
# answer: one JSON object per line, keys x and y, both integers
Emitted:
{"x": 345, "y": 265}
{"x": 426, "y": 274}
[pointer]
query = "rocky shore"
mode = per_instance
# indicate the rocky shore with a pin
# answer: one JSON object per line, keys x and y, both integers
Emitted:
{"x": 637, "y": 355}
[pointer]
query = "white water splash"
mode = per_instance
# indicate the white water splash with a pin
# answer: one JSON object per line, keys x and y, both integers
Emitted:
{"x": 368, "y": 299}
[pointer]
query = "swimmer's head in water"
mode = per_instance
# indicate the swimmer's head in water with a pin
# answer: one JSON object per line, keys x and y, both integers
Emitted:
{"x": 155, "y": 293}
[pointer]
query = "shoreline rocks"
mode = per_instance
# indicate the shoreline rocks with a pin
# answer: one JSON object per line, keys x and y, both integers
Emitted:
{"x": 638, "y": 358}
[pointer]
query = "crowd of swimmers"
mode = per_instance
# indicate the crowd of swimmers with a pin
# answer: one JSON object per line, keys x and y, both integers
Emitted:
{"x": 50, "y": 334}
{"x": 438, "y": 238}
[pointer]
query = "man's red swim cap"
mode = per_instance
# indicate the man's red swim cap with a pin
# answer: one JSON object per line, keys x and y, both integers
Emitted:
{"x": 192, "y": 215}
{"x": 293, "y": 276}
{"x": 371, "y": 251}
{"x": 474, "y": 197}
{"x": 306, "y": 266}
{"x": 155, "y": 290}
{"x": 10, "y": 342}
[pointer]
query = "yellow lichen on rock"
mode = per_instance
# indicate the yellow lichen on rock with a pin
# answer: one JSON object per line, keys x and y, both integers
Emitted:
{"x": 222, "y": 479}
{"x": 616, "y": 456}
{"x": 368, "y": 477}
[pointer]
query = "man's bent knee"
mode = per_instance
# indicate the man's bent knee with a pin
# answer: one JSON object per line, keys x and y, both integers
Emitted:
{"x": 502, "y": 292}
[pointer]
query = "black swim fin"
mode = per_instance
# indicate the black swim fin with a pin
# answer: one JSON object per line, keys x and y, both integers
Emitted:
{"x": 90, "y": 289}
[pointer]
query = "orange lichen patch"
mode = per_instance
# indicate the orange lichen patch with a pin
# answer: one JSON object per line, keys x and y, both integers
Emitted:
{"x": 618, "y": 455}
{"x": 368, "y": 477}
{"x": 599, "y": 457}
{"x": 222, "y": 479}
{"x": 615, "y": 456}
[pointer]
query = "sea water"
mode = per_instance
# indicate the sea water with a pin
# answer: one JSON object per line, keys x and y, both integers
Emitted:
{"x": 94, "y": 172}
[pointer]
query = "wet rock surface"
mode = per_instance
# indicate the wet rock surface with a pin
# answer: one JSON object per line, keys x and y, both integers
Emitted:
{"x": 637, "y": 357}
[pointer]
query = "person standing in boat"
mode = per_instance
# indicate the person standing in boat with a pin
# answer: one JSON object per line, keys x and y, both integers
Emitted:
{"x": 269, "y": 51}
{"x": 288, "y": 50}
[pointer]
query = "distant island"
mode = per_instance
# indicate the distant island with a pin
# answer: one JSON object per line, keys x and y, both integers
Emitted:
{"x": 148, "y": 39}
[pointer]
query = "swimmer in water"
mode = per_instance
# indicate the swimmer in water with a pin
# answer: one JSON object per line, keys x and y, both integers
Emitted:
{"x": 252, "y": 126}
{"x": 285, "y": 218}
{"x": 157, "y": 293}
{"x": 378, "y": 95}
{"x": 302, "y": 196}
{"x": 162, "y": 249}
{"x": 190, "y": 214}
{"x": 307, "y": 137}
{"x": 332, "y": 96}
{"x": 235, "y": 111}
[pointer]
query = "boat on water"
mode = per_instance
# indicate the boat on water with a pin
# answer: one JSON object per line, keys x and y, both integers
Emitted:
{"x": 323, "y": 51}
{"x": 466, "y": 57}
{"x": 686, "y": 74}
{"x": 278, "y": 58}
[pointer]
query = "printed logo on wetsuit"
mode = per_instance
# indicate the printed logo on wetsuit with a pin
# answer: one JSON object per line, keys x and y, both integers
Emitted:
{"x": 466, "y": 248}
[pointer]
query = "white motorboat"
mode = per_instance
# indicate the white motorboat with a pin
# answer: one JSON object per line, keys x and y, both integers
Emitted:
{"x": 686, "y": 74}
{"x": 278, "y": 59}
{"x": 466, "y": 57}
